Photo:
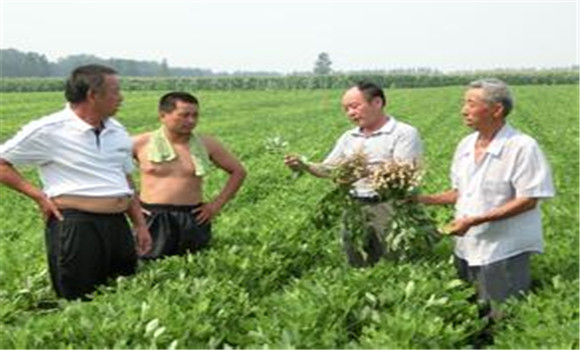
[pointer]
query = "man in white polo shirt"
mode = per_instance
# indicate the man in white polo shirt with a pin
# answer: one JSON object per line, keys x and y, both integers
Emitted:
{"x": 84, "y": 158}
{"x": 499, "y": 175}
{"x": 381, "y": 138}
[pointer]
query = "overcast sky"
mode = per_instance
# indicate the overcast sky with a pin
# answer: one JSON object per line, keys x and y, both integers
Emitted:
{"x": 286, "y": 36}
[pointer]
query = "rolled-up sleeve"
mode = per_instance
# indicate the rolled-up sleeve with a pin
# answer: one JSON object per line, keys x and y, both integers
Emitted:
{"x": 409, "y": 146}
{"x": 28, "y": 146}
{"x": 337, "y": 152}
{"x": 128, "y": 166}
{"x": 532, "y": 175}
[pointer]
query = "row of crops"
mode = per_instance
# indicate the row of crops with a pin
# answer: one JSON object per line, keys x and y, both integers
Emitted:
{"x": 273, "y": 278}
{"x": 338, "y": 81}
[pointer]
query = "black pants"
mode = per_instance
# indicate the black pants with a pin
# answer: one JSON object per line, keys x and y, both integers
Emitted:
{"x": 86, "y": 249}
{"x": 175, "y": 230}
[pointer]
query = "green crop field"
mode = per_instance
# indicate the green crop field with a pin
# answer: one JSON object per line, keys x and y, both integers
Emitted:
{"x": 274, "y": 279}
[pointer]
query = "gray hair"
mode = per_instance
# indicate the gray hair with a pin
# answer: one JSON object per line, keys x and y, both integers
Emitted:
{"x": 495, "y": 91}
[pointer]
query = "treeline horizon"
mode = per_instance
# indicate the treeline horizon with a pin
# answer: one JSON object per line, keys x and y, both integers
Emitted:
{"x": 19, "y": 64}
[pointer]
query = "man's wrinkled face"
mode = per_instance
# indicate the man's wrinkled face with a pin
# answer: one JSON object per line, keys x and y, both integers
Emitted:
{"x": 476, "y": 111}
{"x": 108, "y": 98}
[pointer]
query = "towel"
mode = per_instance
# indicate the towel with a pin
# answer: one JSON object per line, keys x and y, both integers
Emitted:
{"x": 160, "y": 150}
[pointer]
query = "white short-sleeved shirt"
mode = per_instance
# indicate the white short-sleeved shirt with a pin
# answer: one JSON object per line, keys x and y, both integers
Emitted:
{"x": 394, "y": 140}
{"x": 71, "y": 159}
{"x": 512, "y": 167}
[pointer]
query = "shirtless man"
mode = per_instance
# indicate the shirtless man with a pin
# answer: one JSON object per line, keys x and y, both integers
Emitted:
{"x": 173, "y": 161}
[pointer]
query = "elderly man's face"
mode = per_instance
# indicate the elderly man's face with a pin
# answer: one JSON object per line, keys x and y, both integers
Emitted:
{"x": 359, "y": 110}
{"x": 476, "y": 111}
{"x": 109, "y": 98}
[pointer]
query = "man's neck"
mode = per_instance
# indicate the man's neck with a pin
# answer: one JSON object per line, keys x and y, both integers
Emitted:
{"x": 88, "y": 116}
{"x": 486, "y": 134}
{"x": 384, "y": 119}
{"x": 177, "y": 138}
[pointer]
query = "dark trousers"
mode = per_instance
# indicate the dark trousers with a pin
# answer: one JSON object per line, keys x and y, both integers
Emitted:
{"x": 175, "y": 230}
{"x": 499, "y": 280}
{"x": 377, "y": 216}
{"x": 86, "y": 249}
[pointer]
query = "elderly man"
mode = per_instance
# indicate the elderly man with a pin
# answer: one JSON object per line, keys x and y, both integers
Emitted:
{"x": 173, "y": 162}
{"x": 84, "y": 159}
{"x": 381, "y": 138}
{"x": 498, "y": 177}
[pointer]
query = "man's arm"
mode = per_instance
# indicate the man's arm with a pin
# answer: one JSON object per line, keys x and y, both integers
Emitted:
{"x": 321, "y": 170}
{"x": 10, "y": 177}
{"x": 226, "y": 161}
{"x": 511, "y": 208}
{"x": 315, "y": 169}
{"x": 447, "y": 197}
{"x": 135, "y": 213}
{"x": 139, "y": 141}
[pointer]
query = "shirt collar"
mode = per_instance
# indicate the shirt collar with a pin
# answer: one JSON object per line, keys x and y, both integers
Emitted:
{"x": 385, "y": 129}
{"x": 496, "y": 145}
{"x": 500, "y": 139}
{"x": 83, "y": 126}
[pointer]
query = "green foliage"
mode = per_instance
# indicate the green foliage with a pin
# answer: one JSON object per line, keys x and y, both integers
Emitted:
{"x": 133, "y": 82}
{"x": 276, "y": 276}
{"x": 323, "y": 64}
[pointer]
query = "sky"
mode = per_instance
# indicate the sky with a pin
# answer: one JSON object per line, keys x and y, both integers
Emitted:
{"x": 287, "y": 36}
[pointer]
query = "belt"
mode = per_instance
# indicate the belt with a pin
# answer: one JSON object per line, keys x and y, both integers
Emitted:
{"x": 370, "y": 200}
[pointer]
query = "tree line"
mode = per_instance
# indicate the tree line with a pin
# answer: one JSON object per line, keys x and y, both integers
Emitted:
{"x": 292, "y": 82}
{"x": 19, "y": 64}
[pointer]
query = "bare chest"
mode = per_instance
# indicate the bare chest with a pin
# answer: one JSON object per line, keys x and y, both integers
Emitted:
{"x": 181, "y": 166}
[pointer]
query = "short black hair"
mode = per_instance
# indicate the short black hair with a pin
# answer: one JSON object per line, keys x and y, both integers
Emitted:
{"x": 167, "y": 101}
{"x": 85, "y": 78}
{"x": 371, "y": 90}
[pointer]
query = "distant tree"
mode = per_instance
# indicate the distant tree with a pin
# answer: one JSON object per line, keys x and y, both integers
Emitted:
{"x": 164, "y": 69}
{"x": 64, "y": 66}
{"x": 322, "y": 64}
{"x": 14, "y": 63}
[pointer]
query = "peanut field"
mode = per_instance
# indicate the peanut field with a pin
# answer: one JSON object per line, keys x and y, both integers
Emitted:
{"x": 273, "y": 278}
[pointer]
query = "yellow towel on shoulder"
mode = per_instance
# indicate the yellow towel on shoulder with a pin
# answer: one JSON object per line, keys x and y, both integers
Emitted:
{"x": 160, "y": 150}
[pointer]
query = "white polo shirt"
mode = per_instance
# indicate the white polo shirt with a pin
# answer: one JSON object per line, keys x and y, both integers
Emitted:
{"x": 394, "y": 140}
{"x": 70, "y": 157}
{"x": 513, "y": 166}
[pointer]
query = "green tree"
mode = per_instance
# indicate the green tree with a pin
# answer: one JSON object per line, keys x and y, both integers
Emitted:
{"x": 164, "y": 69}
{"x": 14, "y": 63}
{"x": 322, "y": 64}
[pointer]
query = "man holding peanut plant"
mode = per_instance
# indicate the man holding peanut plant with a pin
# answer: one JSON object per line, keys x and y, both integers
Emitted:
{"x": 173, "y": 161}
{"x": 378, "y": 137}
{"x": 498, "y": 177}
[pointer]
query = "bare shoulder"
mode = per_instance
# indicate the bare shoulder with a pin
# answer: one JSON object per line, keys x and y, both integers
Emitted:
{"x": 140, "y": 140}
{"x": 211, "y": 143}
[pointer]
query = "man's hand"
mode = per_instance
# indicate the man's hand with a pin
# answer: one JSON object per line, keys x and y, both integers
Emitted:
{"x": 48, "y": 209}
{"x": 459, "y": 227}
{"x": 143, "y": 238}
{"x": 206, "y": 212}
{"x": 294, "y": 162}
